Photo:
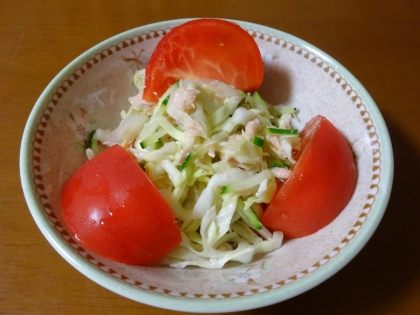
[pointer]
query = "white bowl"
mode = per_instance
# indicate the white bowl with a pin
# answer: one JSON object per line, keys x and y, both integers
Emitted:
{"x": 91, "y": 91}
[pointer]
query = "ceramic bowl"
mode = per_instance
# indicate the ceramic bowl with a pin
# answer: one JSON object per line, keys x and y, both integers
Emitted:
{"x": 90, "y": 93}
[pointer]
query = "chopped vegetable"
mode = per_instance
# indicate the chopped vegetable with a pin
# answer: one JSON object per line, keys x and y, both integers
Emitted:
{"x": 258, "y": 141}
{"x": 281, "y": 131}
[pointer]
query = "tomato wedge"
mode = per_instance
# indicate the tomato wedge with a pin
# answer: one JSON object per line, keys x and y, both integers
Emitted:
{"x": 204, "y": 49}
{"x": 321, "y": 184}
{"x": 113, "y": 209}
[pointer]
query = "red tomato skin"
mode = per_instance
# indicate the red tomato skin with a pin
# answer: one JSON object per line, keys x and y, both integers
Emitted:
{"x": 321, "y": 184}
{"x": 113, "y": 209}
{"x": 204, "y": 49}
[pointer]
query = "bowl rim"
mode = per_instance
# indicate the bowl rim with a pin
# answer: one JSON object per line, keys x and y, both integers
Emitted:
{"x": 203, "y": 305}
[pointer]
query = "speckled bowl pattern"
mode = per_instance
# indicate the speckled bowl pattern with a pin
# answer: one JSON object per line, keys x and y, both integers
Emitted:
{"x": 90, "y": 93}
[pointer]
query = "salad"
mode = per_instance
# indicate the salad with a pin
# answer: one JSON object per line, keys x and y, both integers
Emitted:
{"x": 214, "y": 153}
{"x": 200, "y": 172}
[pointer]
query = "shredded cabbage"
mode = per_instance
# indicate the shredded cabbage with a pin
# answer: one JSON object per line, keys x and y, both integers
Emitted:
{"x": 196, "y": 145}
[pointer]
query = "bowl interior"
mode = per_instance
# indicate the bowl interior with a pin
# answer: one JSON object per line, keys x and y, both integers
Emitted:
{"x": 91, "y": 92}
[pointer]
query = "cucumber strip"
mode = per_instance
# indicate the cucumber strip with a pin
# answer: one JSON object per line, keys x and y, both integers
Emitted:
{"x": 259, "y": 142}
{"x": 170, "y": 129}
{"x": 189, "y": 158}
{"x": 166, "y": 100}
{"x": 278, "y": 163}
{"x": 158, "y": 143}
{"x": 153, "y": 139}
{"x": 251, "y": 217}
{"x": 92, "y": 143}
{"x": 165, "y": 97}
{"x": 279, "y": 131}
{"x": 224, "y": 190}
{"x": 160, "y": 108}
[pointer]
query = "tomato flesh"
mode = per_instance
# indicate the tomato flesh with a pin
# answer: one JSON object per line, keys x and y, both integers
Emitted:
{"x": 320, "y": 186}
{"x": 204, "y": 49}
{"x": 114, "y": 210}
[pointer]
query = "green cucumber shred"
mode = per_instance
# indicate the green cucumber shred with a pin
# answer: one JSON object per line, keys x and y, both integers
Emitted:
{"x": 280, "y": 131}
{"x": 188, "y": 160}
{"x": 92, "y": 143}
{"x": 259, "y": 142}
